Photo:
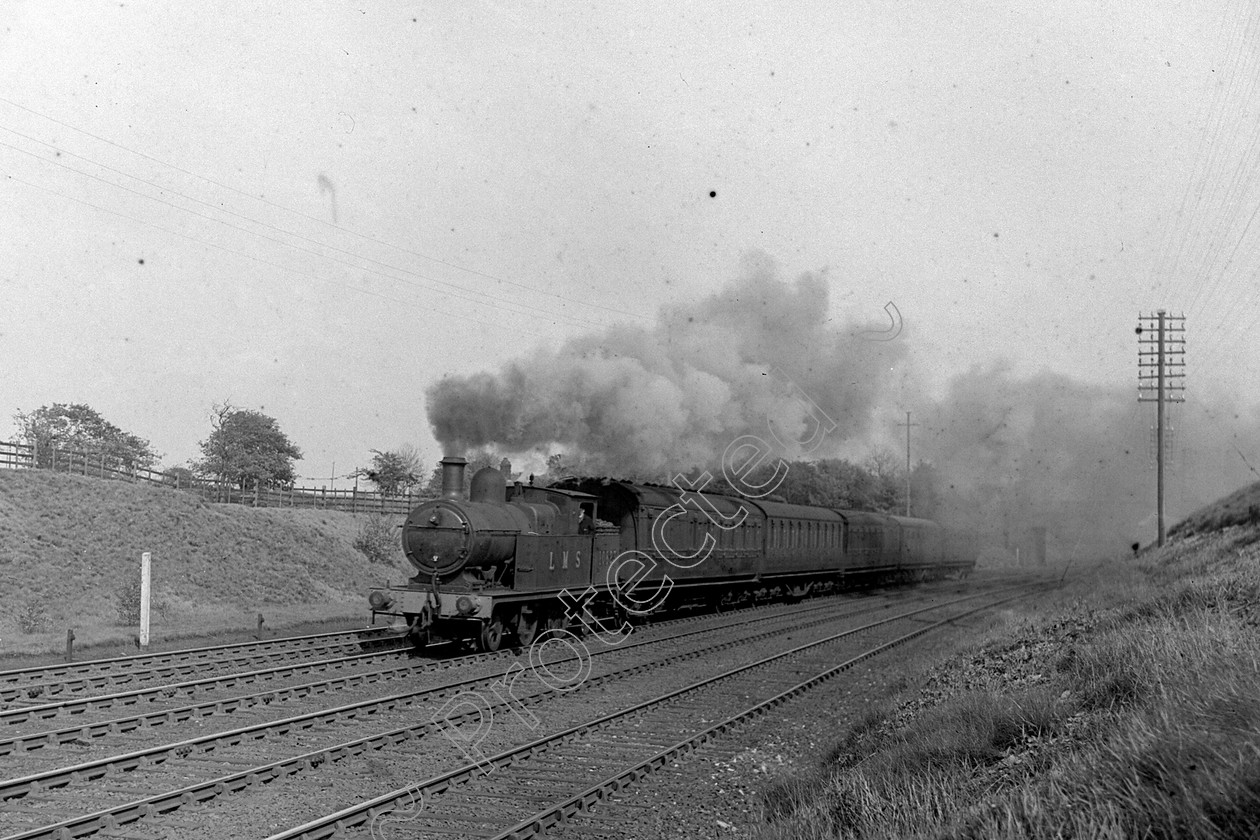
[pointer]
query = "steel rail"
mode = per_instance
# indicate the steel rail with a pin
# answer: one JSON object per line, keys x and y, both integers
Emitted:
{"x": 560, "y": 812}
{"x": 79, "y": 705}
{"x": 329, "y": 825}
{"x": 59, "y": 777}
{"x": 179, "y": 669}
{"x": 97, "y": 729}
{"x": 67, "y": 670}
{"x": 198, "y": 792}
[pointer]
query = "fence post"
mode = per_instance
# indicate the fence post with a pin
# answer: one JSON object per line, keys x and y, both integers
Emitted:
{"x": 255, "y": 492}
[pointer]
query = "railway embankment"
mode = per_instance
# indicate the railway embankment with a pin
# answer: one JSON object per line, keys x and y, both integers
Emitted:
{"x": 70, "y": 551}
{"x": 1122, "y": 705}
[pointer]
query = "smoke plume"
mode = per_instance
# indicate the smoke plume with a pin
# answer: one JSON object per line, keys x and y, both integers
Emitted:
{"x": 641, "y": 401}
{"x": 1077, "y": 459}
{"x": 1010, "y": 452}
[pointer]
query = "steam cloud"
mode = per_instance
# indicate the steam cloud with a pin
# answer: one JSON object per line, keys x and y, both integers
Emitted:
{"x": 1011, "y": 452}
{"x": 1077, "y": 459}
{"x": 643, "y": 401}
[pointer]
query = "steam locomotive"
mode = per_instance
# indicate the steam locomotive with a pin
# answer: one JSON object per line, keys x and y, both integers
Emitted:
{"x": 510, "y": 562}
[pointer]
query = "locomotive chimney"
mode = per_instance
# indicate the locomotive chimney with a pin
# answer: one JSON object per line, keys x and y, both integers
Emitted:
{"x": 453, "y": 476}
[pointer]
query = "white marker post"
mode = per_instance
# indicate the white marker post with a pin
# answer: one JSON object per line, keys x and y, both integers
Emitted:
{"x": 144, "y": 599}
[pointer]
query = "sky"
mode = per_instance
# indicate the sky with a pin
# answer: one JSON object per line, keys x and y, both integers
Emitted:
{"x": 321, "y": 211}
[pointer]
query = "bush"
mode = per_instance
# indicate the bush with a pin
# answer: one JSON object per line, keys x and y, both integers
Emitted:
{"x": 378, "y": 540}
{"x": 127, "y": 601}
{"x": 32, "y": 617}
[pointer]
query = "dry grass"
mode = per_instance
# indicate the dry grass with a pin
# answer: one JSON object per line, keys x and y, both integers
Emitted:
{"x": 1127, "y": 706}
{"x": 68, "y": 542}
{"x": 1241, "y": 507}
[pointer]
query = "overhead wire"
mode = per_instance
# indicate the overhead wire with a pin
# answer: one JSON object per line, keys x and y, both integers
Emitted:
{"x": 1202, "y": 176}
{"x": 1216, "y": 234}
{"x": 246, "y": 255}
{"x": 457, "y": 294}
{"x": 1200, "y": 161}
{"x": 1228, "y": 240}
{"x": 341, "y": 228}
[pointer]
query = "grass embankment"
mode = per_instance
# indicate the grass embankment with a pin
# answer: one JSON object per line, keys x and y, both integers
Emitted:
{"x": 1125, "y": 705}
{"x": 67, "y": 544}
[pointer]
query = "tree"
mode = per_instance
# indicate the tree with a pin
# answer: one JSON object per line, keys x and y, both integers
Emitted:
{"x": 180, "y": 476}
{"x": 393, "y": 472}
{"x": 78, "y": 427}
{"x": 247, "y": 447}
{"x": 889, "y": 492}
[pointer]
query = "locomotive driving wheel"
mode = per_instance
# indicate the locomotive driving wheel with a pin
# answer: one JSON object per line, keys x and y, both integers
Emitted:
{"x": 555, "y": 621}
{"x": 526, "y": 626}
{"x": 491, "y": 635}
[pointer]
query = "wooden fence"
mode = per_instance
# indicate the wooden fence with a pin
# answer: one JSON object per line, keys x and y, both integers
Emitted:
{"x": 99, "y": 465}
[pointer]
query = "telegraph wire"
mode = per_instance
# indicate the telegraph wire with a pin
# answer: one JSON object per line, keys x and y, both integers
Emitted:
{"x": 1235, "y": 187}
{"x": 408, "y": 303}
{"x": 318, "y": 220}
{"x": 1200, "y": 159}
{"x": 491, "y": 302}
{"x": 1211, "y": 177}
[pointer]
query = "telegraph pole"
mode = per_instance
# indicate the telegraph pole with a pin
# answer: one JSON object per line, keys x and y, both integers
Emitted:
{"x": 907, "y": 424}
{"x": 1161, "y": 380}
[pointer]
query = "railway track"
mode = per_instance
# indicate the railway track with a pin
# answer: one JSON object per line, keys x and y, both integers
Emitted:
{"x": 233, "y": 761}
{"x": 77, "y": 677}
{"x": 36, "y": 795}
{"x": 81, "y": 732}
{"x": 524, "y": 791}
{"x": 80, "y": 705}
